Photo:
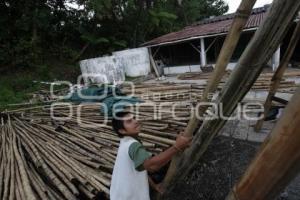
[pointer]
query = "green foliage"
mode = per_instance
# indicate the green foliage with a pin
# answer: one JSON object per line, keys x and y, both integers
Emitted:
{"x": 36, "y": 30}
{"x": 34, "y": 33}
{"x": 8, "y": 96}
{"x": 161, "y": 17}
{"x": 14, "y": 89}
{"x": 94, "y": 40}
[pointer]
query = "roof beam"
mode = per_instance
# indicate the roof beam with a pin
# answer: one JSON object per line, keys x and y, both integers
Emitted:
{"x": 196, "y": 38}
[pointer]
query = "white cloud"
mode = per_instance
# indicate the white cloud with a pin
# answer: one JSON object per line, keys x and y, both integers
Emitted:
{"x": 234, "y": 4}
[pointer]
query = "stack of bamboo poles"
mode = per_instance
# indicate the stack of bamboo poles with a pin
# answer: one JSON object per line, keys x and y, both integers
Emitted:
{"x": 40, "y": 162}
{"x": 167, "y": 92}
{"x": 67, "y": 151}
{"x": 262, "y": 83}
{"x": 46, "y": 153}
{"x": 44, "y": 94}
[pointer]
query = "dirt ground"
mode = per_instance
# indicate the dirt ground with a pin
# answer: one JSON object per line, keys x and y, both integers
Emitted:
{"x": 224, "y": 162}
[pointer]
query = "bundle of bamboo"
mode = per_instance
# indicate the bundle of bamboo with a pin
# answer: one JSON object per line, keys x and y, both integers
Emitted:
{"x": 262, "y": 83}
{"x": 39, "y": 162}
{"x": 67, "y": 151}
{"x": 48, "y": 152}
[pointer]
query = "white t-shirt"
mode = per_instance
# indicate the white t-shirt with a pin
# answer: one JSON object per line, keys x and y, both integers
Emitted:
{"x": 128, "y": 183}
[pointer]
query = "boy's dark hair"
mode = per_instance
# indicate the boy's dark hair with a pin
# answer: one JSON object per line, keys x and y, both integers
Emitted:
{"x": 118, "y": 122}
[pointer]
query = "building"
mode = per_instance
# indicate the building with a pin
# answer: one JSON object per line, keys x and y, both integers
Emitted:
{"x": 200, "y": 43}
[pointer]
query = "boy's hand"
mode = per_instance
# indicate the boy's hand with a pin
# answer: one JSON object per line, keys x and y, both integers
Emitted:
{"x": 159, "y": 188}
{"x": 182, "y": 142}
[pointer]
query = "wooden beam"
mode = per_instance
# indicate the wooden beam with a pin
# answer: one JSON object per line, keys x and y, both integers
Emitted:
{"x": 211, "y": 44}
{"x": 280, "y": 100}
{"x": 229, "y": 45}
{"x": 277, "y": 162}
{"x": 195, "y": 47}
{"x": 156, "y": 52}
{"x": 277, "y": 77}
{"x": 152, "y": 63}
{"x": 256, "y": 55}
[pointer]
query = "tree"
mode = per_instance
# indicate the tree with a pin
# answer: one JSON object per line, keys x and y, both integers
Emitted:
{"x": 36, "y": 31}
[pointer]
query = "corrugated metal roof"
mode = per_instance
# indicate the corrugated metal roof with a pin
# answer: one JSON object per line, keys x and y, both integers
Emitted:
{"x": 206, "y": 27}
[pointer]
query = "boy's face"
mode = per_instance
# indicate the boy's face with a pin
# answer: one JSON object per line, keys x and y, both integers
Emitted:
{"x": 131, "y": 126}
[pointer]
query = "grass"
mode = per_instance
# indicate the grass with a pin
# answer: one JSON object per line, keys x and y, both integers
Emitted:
{"x": 15, "y": 86}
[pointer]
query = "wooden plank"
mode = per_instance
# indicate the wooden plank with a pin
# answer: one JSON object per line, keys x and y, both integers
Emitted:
{"x": 280, "y": 100}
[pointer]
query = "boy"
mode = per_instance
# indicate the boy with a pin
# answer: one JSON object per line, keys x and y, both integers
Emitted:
{"x": 130, "y": 178}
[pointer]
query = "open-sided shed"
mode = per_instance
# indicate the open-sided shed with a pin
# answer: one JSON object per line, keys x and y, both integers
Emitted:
{"x": 200, "y": 43}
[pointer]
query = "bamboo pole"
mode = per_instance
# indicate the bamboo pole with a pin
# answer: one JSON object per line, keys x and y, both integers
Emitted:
{"x": 24, "y": 176}
{"x": 277, "y": 162}
{"x": 241, "y": 18}
{"x": 277, "y": 77}
{"x": 250, "y": 65}
{"x": 67, "y": 154}
{"x": 75, "y": 161}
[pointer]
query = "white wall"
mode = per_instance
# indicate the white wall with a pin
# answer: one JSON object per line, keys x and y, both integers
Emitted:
{"x": 136, "y": 61}
{"x": 190, "y": 68}
{"x": 182, "y": 69}
{"x": 112, "y": 69}
{"x": 101, "y": 70}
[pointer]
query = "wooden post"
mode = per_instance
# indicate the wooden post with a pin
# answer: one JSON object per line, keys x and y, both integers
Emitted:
{"x": 277, "y": 77}
{"x": 277, "y": 162}
{"x": 152, "y": 63}
{"x": 256, "y": 55}
{"x": 203, "y": 53}
{"x": 276, "y": 59}
{"x": 230, "y": 43}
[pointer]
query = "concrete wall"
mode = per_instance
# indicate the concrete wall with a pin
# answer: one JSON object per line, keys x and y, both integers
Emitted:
{"x": 136, "y": 62}
{"x": 112, "y": 69}
{"x": 102, "y": 70}
{"x": 189, "y": 68}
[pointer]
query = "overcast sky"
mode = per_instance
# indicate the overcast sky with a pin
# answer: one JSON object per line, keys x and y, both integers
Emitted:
{"x": 234, "y": 4}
